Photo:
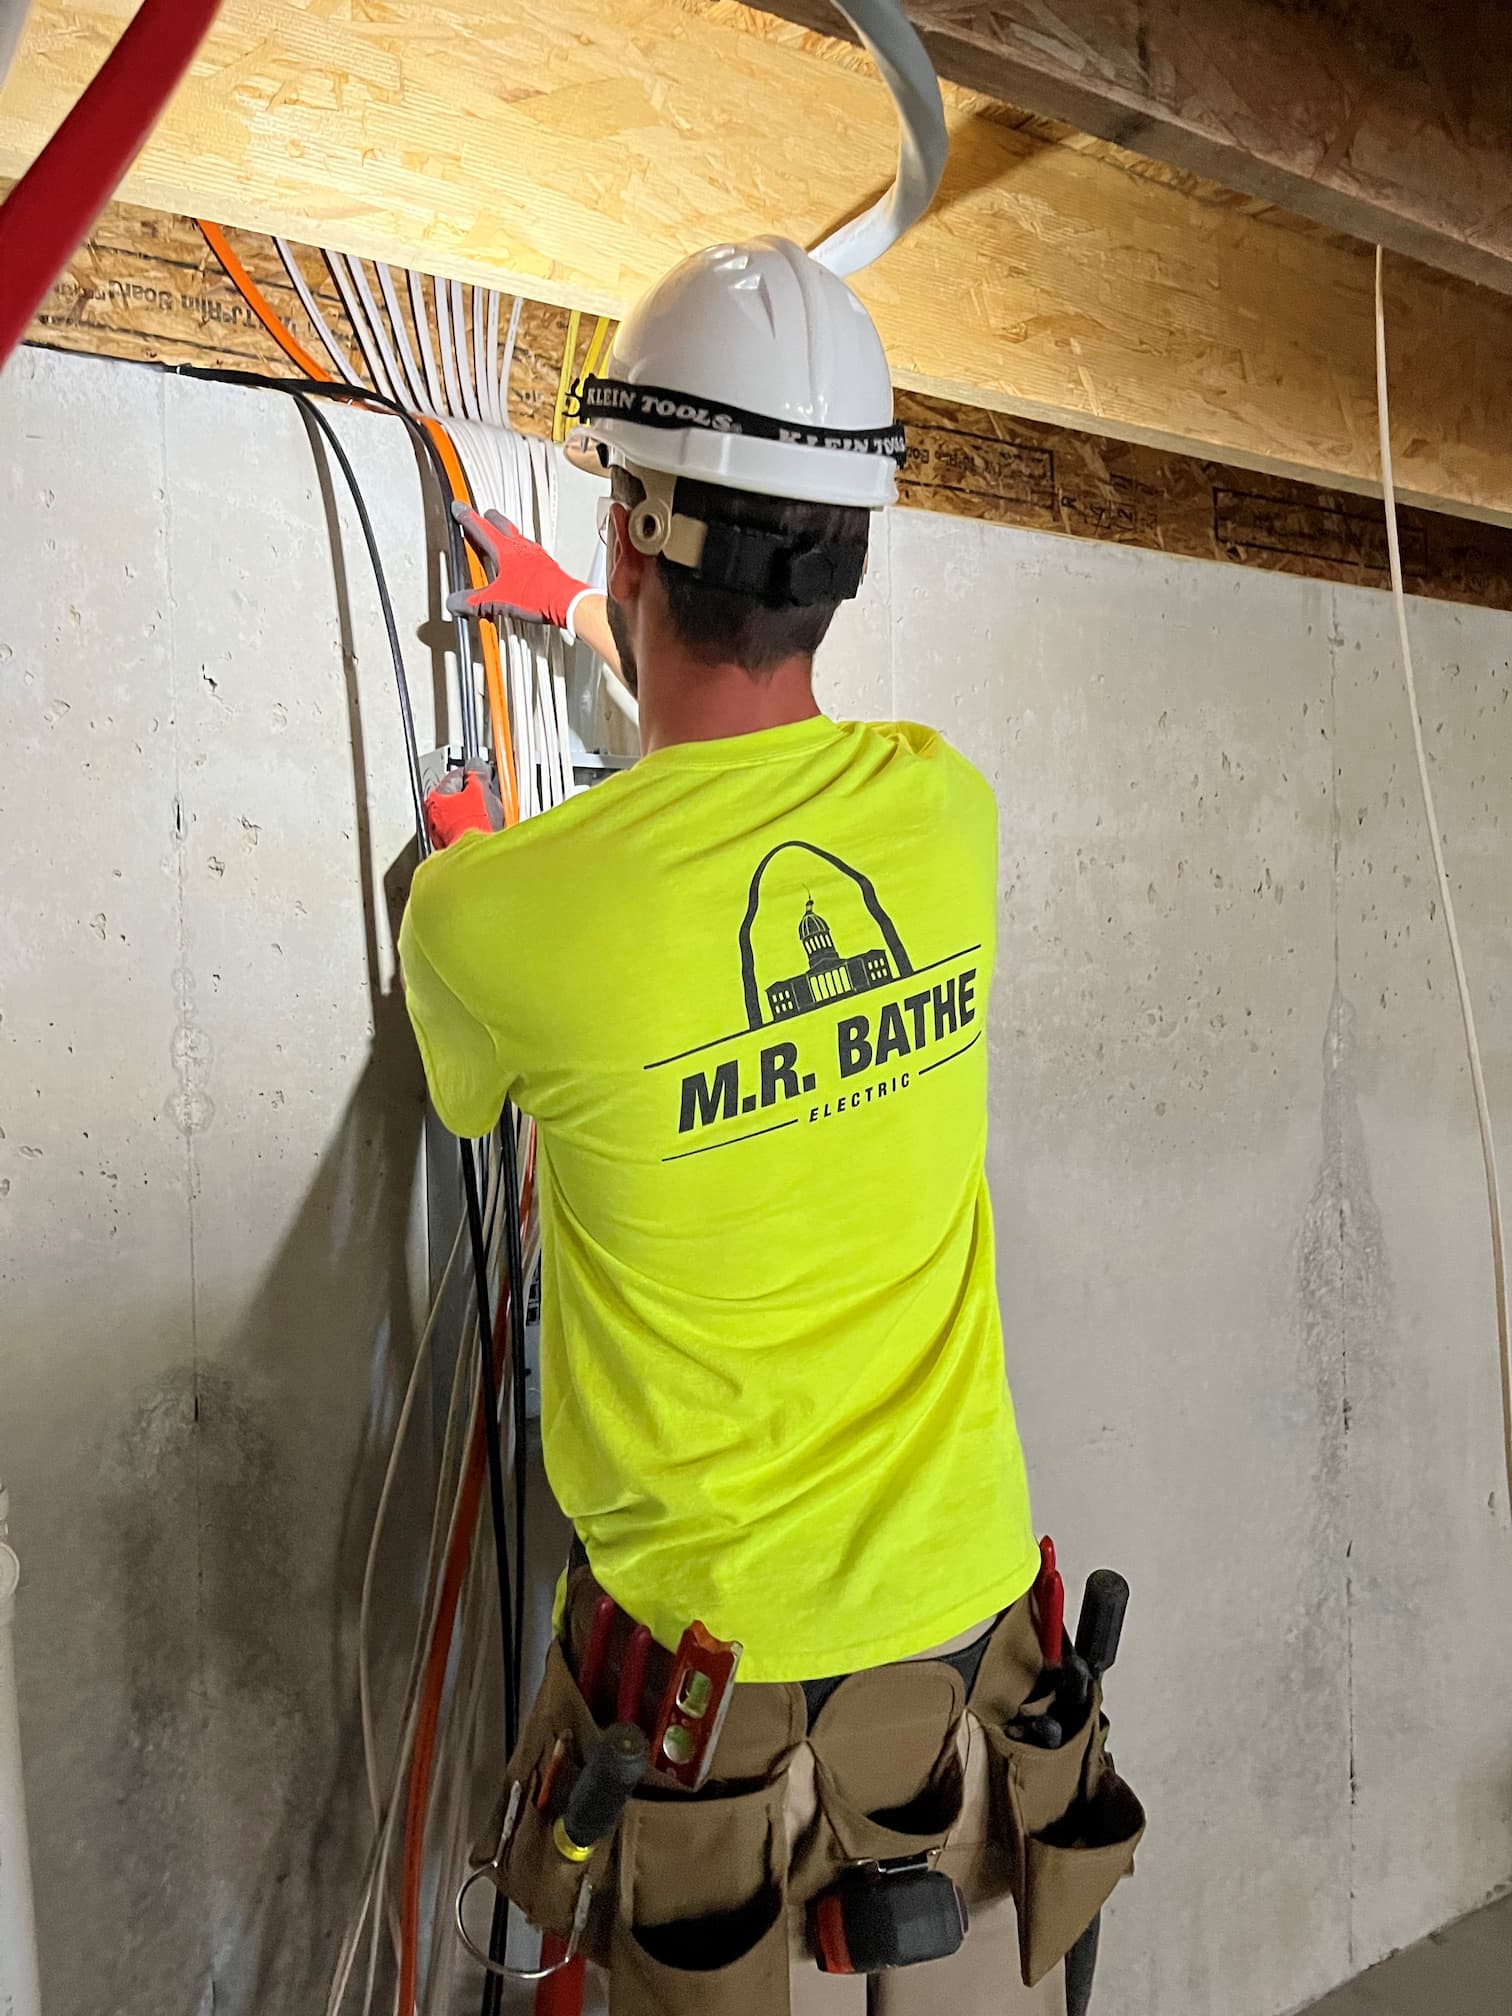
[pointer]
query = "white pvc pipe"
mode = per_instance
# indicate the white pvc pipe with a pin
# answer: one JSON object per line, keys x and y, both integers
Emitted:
{"x": 20, "y": 1990}
{"x": 12, "y": 19}
{"x": 892, "y": 42}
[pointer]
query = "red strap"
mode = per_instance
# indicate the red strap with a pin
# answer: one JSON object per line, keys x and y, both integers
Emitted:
{"x": 560, "y": 1994}
{"x": 829, "y": 1934}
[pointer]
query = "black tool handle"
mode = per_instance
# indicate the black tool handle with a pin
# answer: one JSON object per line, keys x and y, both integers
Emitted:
{"x": 612, "y": 1770}
{"x": 1081, "y": 1965}
{"x": 1100, "y": 1625}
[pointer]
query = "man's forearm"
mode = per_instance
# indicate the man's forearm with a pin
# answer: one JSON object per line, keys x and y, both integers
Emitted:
{"x": 590, "y": 622}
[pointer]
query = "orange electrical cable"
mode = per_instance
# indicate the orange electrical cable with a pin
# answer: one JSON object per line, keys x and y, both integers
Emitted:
{"x": 438, "y": 1654}
{"x": 255, "y": 299}
{"x": 464, "y": 1523}
{"x": 294, "y": 350}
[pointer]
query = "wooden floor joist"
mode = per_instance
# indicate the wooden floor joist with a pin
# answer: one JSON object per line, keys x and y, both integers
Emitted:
{"x": 1389, "y": 121}
{"x": 146, "y": 288}
{"x": 573, "y": 152}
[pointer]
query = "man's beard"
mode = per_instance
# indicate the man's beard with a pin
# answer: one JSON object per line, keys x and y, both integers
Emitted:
{"x": 619, "y": 630}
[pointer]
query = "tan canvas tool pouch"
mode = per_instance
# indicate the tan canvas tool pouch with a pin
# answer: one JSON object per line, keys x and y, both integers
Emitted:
{"x": 702, "y": 1901}
{"x": 1061, "y": 1826}
{"x": 528, "y": 1867}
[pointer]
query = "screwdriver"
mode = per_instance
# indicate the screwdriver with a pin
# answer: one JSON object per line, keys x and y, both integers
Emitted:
{"x": 611, "y": 1771}
{"x": 1098, "y": 1630}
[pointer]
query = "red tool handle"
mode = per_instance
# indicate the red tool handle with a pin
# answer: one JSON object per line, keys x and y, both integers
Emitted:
{"x": 1050, "y": 1605}
{"x": 596, "y": 1653}
{"x": 632, "y": 1678}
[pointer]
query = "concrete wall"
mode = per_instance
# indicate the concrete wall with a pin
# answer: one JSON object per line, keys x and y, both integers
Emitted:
{"x": 210, "y": 1237}
{"x": 1243, "y": 1245}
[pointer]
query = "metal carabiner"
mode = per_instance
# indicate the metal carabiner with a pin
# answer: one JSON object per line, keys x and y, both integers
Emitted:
{"x": 494, "y": 1869}
{"x": 492, "y": 1966}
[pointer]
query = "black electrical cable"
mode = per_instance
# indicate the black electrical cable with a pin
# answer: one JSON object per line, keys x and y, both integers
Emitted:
{"x": 511, "y": 1589}
{"x": 511, "y": 1599}
{"x": 498, "y": 1931}
{"x": 489, "y": 1393}
{"x": 385, "y": 602}
{"x": 518, "y": 1287}
{"x": 361, "y": 395}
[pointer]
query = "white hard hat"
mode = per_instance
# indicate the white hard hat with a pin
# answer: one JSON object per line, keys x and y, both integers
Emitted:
{"x": 755, "y": 368}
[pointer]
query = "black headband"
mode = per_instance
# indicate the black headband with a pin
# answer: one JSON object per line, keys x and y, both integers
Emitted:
{"x": 777, "y": 570}
{"x": 655, "y": 406}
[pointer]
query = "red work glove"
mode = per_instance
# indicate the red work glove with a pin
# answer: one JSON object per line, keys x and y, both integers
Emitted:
{"x": 461, "y": 803}
{"x": 523, "y": 581}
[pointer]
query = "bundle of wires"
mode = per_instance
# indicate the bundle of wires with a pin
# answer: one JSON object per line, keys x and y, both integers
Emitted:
{"x": 420, "y": 1793}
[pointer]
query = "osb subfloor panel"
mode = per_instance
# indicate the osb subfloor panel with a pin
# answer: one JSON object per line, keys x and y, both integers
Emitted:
{"x": 147, "y": 287}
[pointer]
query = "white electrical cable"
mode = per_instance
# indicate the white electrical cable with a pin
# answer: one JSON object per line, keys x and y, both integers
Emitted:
{"x": 436, "y": 404}
{"x": 480, "y": 351}
{"x": 311, "y": 306}
{"x": 459, "y": 343}
{"x": 443, "y": 1514}
{"x": 375, "y": 1869}
{"x": 448, "y": 354}
{"x": 461, "y": 1419}
{"x": 374, "y": 1880}
{"x": 402, "y": 392}
{"x": 370, "y": 1569}
{"x": 401, "y": 337}
{"x": 503, "y": 471}
{"x": 366, "y": 343}
{"x": 1451, "y": 927}
{"x": 923, "y": 143}
{"x": 491, "y": 378}
{"x": 507, "y": 363}
{"x": 459, "y": 1740}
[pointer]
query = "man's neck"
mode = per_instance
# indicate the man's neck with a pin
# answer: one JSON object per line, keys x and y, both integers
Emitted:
{"x": 695, "y": 702}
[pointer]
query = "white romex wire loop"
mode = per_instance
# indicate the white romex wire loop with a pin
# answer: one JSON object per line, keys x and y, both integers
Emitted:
{"x": 1451, "y": 926}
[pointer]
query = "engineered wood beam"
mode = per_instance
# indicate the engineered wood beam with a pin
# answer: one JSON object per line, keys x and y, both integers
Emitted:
{"x": 1388, "y": 121}
{"x": 573, "y": 151}
{"x": 147, "y": 289}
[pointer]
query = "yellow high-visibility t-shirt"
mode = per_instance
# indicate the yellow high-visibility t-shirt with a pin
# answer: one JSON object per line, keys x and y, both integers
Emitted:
{"x": 742, "y": 988}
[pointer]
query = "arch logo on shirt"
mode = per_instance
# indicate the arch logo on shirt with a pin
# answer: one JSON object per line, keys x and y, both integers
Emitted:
{"x": 838, "y": 1015}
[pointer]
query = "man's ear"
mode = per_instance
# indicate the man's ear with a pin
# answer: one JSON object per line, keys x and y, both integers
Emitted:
{"x": 627, "y": 567}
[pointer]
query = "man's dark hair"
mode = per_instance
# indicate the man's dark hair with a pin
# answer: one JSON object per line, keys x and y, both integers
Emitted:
{"x": 724, "y": 626}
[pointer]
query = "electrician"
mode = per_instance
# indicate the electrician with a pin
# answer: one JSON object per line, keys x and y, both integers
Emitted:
{"x": 742, "y": 989}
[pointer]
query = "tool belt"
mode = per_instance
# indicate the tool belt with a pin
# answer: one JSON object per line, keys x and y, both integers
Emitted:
{"x": 702, "y": 1903}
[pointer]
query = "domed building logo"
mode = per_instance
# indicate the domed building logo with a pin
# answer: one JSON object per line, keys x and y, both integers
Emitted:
{"x": 830, "y": 975}
{"x": 848, "y": 947}
{"x": 894, "y": 1023}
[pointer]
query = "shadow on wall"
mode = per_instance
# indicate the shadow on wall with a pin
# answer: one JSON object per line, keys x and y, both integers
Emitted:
{"x": 241, "y": 1711}
{"x": 269, "y": 1445}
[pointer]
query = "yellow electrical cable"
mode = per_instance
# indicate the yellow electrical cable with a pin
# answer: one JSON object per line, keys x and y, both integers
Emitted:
{"x": 598, "y": 345}
{"x": 564, "y": 382}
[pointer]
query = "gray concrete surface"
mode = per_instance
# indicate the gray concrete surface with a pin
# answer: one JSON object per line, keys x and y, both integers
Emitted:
{"x": 1464, "y": 1970}
{"x": 1243, "y": 1251}
{"x": 209, "y": 1240}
